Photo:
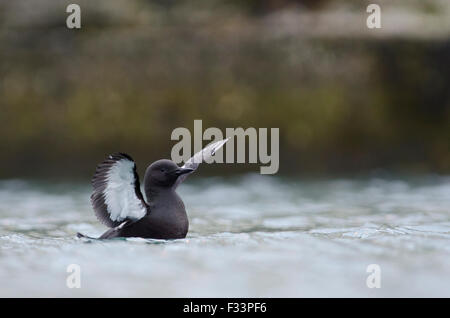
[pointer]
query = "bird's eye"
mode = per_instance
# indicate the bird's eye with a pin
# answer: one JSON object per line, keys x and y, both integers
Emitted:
{"x": 162, "y": 170}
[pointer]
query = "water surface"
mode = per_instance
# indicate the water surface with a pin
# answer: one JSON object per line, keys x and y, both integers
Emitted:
{"x": 251, "y": 236}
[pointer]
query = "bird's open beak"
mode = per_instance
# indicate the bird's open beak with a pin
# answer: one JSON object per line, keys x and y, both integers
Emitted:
{"x": 181, "y": 171}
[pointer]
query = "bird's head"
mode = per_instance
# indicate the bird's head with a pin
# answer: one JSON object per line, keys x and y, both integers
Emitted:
{"x": 164, "y": 173}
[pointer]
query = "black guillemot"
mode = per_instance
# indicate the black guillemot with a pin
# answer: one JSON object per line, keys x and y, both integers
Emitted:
{"x": 118, "y": 202}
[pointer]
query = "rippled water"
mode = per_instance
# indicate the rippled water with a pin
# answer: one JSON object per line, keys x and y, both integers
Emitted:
{"x": 249, "y": 236}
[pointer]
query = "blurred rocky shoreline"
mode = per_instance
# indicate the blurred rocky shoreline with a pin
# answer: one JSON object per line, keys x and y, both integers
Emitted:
{"x": 346, "y": 98}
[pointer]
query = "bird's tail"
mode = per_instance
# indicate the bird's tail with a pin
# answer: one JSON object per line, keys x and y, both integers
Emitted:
{"x": 79, "y": 235}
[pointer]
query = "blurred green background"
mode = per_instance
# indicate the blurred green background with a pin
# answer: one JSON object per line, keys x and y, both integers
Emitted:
{"x": 347, "y": 99}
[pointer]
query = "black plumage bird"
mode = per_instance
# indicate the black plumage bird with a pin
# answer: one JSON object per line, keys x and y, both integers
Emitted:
{"x": 119, "y": 204}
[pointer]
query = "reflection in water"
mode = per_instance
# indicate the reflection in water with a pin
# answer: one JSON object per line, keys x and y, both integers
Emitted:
{"x": 249, "y": 236}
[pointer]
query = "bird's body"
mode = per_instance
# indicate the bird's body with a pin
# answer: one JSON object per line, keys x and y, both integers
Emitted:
{"x": 118, "y": 202}
{"x": 167, "y": 220}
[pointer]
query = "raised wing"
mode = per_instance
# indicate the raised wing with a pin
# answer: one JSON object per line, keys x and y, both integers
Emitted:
{"x": 205, "y": 154}
{"x": 117, "y": 195}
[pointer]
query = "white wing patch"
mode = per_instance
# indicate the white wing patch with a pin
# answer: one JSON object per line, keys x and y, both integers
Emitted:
{"x": 204, "y": 155}
{"x": 117, "y": 195}
{"x": 120, "y": 196}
